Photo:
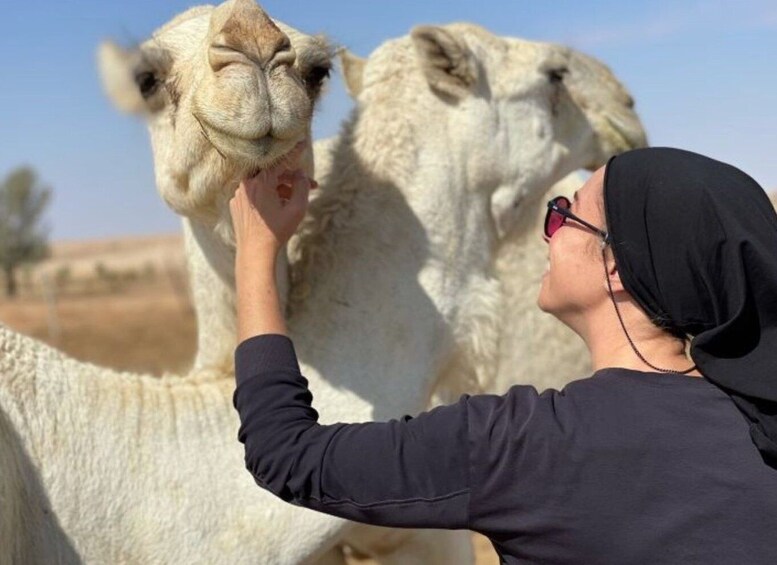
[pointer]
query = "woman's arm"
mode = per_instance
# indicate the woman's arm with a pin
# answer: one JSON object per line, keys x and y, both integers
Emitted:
{"x": 409, "y": 472}
{"x": 263, "y": 222}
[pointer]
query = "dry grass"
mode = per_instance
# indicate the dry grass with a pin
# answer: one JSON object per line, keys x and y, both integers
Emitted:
{"x": 144, "y": 325}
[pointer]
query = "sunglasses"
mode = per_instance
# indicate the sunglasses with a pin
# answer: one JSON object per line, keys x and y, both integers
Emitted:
{"x": 558, "y": 213}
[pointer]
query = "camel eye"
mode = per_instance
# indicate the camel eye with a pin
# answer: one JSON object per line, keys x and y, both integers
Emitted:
{"x": 556, "y": 76}
{"x": 317, "y": 76}
{"x": 147, "y": 83}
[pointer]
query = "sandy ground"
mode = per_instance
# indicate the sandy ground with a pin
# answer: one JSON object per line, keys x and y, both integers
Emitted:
{"x": 145, "y": 329}
{"x": 144, "y": 325}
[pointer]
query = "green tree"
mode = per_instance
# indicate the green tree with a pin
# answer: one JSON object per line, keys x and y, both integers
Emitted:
{"x": 22, "y": 237}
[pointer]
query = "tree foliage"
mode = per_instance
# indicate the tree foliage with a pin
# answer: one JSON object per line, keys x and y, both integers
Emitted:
{"x": 23, "y": 237}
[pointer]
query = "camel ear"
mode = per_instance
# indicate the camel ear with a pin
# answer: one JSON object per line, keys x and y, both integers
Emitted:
{"x": 116, "y": 67}
{"x": 353, "y": 71}
{"x": 447, "y": 62}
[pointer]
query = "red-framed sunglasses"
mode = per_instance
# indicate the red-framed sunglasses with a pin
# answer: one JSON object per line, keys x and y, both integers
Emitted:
{"x": 558, "y": 213}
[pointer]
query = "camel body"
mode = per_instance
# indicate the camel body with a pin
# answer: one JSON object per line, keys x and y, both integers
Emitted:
{"x": 138, "y": 469}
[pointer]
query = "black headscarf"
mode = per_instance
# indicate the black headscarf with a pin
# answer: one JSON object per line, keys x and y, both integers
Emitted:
{"x": 695, "y": 242}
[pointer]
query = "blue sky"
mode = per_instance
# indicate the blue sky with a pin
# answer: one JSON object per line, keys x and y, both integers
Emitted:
{"x": 702, "y": 74}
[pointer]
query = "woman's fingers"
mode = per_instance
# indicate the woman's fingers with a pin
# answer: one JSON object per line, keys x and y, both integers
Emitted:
{"x": 267, "y": 208}
{"x": 273, "y": 193}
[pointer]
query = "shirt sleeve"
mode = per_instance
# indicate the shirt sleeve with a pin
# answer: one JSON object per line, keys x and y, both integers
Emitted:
{"x": 410, "y": 472}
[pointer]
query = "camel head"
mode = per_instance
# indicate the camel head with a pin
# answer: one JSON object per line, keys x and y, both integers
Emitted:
{"x": 226, "y": 91}
{"x": 516, "y": 115}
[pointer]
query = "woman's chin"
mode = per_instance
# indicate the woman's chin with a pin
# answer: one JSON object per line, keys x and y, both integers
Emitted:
{"x": 542, "y": 301}
{"x": 555, "y": 308}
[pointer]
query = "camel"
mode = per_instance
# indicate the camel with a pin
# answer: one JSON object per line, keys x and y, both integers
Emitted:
{"x": 83, "y": 446}
{"x": 106, "y": 467}
{"x": 156, "y": 458}
{"x": 530, "y": 341}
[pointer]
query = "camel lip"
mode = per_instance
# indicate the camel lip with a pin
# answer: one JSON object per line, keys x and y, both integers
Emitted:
{"x": 249, "y": 149}
{"x": 277, "y": 160}
{"x": 211, "y": 128}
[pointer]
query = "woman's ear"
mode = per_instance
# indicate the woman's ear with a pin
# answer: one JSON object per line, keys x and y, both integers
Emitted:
{"x": 613, "y": 281}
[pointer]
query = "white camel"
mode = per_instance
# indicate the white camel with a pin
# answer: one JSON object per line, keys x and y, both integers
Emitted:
{"x": 104, "y": 467}
{"x": 533, "y": 347}
{"x": 132, "y": 468}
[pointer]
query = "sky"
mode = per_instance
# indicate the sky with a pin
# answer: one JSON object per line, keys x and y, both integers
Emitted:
{"x": 702, "y": 74}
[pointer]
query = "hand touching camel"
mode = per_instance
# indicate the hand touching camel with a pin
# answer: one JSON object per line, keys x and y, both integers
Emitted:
{"x": 267, "y": 208}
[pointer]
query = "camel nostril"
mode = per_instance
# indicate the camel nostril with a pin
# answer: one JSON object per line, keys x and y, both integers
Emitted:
{"x": 220, "y": 56}
{"x": 285, "y": 56}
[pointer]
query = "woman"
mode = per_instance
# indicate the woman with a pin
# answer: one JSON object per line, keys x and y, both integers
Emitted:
{"x": 654, "y": 458}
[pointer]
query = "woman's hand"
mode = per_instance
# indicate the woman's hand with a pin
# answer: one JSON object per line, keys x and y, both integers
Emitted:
{"x": 267, "y": 209}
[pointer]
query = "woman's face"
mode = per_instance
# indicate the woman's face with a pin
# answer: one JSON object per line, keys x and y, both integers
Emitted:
{"x": 574, "y": 281}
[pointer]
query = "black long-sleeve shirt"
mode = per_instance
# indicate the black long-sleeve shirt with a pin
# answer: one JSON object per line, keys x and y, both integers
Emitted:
{"x": 621, "y": 467}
